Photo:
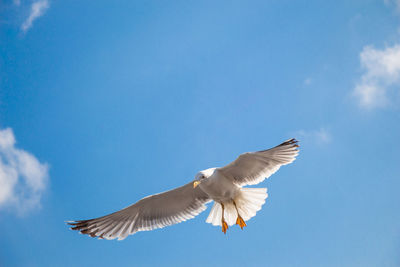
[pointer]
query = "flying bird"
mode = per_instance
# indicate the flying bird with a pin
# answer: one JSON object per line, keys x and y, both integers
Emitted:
{"x": 233, "y": 203}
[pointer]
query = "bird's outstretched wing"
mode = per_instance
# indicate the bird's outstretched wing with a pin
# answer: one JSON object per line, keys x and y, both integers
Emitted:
{"x": 253, "y": 167}
{"x": 155, "y": 211}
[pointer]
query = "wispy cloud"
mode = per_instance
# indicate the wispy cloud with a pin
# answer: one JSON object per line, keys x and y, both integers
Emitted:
{"x": 307, "y": 81}
{"x": 23, "y": 178}
{"x": 381, "y": 73}
{"x": 319, "y": 137}
{"x": 38, "y": 8}
{"x": 395, "y": 3}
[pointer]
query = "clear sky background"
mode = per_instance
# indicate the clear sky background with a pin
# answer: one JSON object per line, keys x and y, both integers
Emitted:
{"x": 103, "y": 103}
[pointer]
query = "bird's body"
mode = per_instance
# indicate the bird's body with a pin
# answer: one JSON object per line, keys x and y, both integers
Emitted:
{"x": 219, "y": 187}
{"x": 233, "y": 204}
{"x": 230, "y": 200}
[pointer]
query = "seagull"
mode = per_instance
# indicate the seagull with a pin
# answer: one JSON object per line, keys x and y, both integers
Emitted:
{"x": 233, "y": 203}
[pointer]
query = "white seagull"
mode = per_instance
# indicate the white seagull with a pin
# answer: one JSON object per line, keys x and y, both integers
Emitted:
{"x": 233, "y": 204}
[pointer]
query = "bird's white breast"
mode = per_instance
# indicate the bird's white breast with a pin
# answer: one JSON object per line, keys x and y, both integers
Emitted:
{"x": 219, "y": 187}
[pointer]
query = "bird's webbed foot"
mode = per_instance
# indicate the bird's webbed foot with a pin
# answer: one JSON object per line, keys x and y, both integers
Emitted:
{"x": 224, "y": 226}
{"x": 240, "y": 222}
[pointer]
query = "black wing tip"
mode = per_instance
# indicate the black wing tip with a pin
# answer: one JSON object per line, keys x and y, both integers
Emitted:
{"x": 82, "y": 227}
{"x": 292, "y": 141}
{"x": 77, "y": 223}
{"x": 71, "y": 222}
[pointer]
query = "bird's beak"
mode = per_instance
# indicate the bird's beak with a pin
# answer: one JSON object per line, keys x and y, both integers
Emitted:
{"x": 196, "y": 183}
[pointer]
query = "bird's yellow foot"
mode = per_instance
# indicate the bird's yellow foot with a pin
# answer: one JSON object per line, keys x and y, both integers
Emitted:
{"x": 240, "y": 222}
{"x": 224, "y": 226}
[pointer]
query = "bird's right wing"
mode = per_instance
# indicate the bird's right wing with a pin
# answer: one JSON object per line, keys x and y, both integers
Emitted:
{"x": 253, "y": 167}
{"x": 155, "y": 211}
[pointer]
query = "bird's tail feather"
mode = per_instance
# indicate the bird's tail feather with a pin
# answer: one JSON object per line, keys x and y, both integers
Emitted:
{"x": 248, "y": 202}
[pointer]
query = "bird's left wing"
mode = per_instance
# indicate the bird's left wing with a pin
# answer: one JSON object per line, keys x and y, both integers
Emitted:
{"x": 253, "y": 167}
{"x": 155, "y": 211}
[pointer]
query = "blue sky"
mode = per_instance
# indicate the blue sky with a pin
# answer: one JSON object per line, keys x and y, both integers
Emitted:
{"x": 101, "y": 105}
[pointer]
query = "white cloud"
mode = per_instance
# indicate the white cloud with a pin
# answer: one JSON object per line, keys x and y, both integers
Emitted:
{"x": 307, "y": 81}
{"x": 37, "y": 9}
{"x": 23, "y": 178}
{"x": 17, "y": 2}
{"x": 395, "y": 3}
{"x": 382, "y": 72}
{"x": 320, "y": 136}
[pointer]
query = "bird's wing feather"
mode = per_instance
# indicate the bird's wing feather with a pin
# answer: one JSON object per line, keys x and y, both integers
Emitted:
{"x": 253, "y": 167}
{"x": 155, "y": 211}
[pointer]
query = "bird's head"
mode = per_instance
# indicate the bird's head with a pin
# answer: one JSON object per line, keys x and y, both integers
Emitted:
{"x": 202, "y": 175}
